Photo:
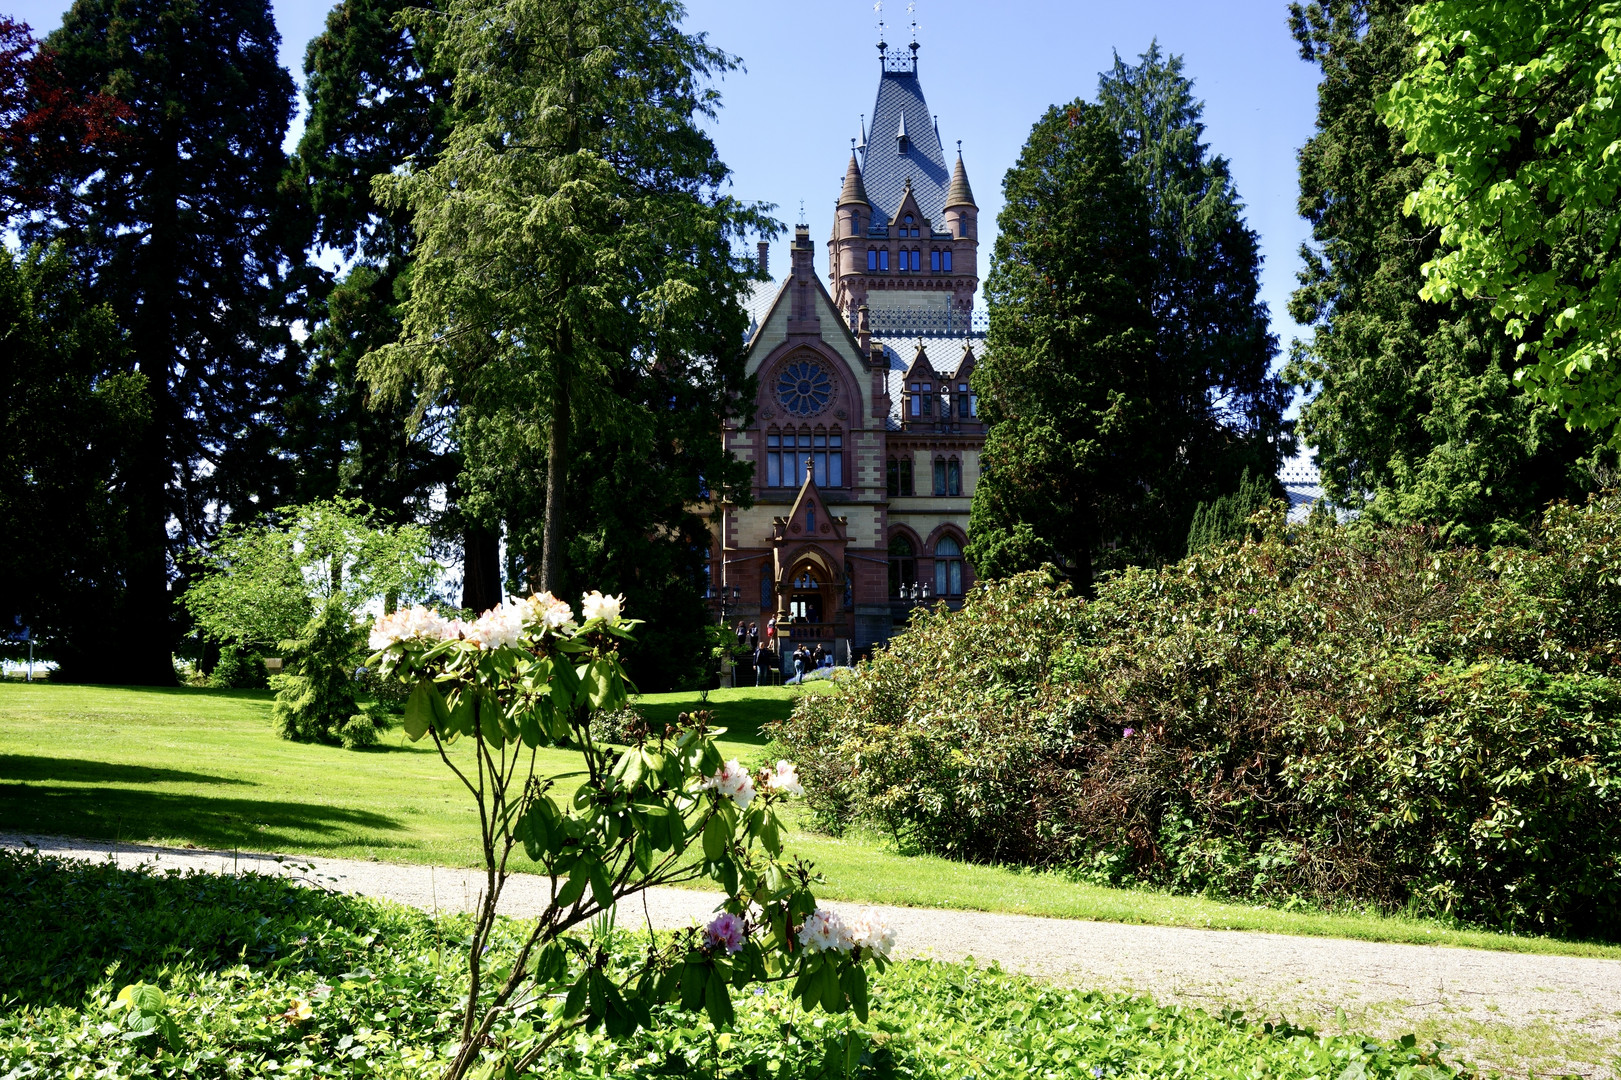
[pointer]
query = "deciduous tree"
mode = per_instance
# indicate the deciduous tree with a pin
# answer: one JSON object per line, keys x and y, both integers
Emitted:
{"x": 1414, "y": 415}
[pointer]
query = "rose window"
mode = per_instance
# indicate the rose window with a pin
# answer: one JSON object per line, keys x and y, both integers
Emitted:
{"x": 804, "y": 388}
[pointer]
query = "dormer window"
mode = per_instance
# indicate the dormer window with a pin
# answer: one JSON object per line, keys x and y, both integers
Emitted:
{"x": 908, "y": 226}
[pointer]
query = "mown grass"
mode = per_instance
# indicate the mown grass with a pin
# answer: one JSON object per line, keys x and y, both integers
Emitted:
{"x": 202, "y": 767}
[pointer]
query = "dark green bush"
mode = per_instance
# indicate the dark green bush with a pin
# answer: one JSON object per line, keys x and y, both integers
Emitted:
{"x": 1336, "y": 714}
{"x": 238, "y": 669}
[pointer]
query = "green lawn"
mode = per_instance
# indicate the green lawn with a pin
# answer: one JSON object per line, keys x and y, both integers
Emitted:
{"x": 202, "y": 767}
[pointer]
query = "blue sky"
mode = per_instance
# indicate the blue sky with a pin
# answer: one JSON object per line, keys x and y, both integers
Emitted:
{"x": 988, "y": 70}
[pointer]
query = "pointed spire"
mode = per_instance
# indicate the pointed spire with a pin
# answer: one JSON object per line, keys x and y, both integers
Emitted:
{"x": 862, "y": 145}
{"x": 959, "y": 193}
{"x": 854, "y": 192}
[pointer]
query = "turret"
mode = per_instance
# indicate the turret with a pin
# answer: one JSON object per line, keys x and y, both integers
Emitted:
{"x": 855, "y": 212}
{"x": 962, "y": 216}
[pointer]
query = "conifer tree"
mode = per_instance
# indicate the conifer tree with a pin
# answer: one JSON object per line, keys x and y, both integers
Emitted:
{"x": 176, "y": 226}
{"x": 1066, "y": 383}
{"x": 1415, "y": 416}
{"x": 1216, "y": 397}
{"x": 573, "y": 276}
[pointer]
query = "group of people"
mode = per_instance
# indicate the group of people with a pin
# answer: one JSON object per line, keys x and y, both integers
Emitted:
{"x": 760, "y": 652}
{"x": 759, "y": 649}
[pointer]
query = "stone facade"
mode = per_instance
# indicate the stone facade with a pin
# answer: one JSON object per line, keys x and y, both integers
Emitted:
{"x": 866, "y": 437}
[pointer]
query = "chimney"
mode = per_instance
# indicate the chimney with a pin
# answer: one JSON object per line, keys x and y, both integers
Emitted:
{"x": 802, "y": 315}
{"x": 764, "y": 247}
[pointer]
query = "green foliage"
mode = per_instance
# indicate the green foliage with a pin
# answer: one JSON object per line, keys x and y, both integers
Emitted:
{"x": 252, "y": 970}
{"x": 1065, "y": 383}
{"x": 1216, "y": 401}
{"x": 177, "y": 224}
{"x": 1414, "y": 414}
{"x": 1228, "y": 517}
{"x": 315, "y": 694}
{"x": 70, "y": 432}
{"x": 1515, "y": 103}
{"x": 238, "y": 669}
{"x": 1368, "y": 716}
{"x": 259, "y": 584}
{"x": 574, "y": 273}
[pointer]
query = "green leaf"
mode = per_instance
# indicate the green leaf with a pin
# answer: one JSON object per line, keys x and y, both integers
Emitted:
{"x": 574, "y": 1003}
{"x": 574, "y": 888}
{"x": 418, "y": 711}
{"x": 462, "y": 713}
{"x": 693, "y": 978}
{"x": 601, "y": 888}
{"x": 718, "y": 1001}
{"x": 771, "y": 834}
{"x": 832, "y": 992}
{"x": 854, "y": 983}
{"x": 714, "y": 838}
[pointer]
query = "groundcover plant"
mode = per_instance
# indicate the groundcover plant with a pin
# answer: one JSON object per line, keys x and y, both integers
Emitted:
{"x": 109, "y": 972}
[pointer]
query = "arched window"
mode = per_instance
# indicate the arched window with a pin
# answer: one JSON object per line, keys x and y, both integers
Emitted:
{"x": 902, "y": 566}
{"x": 899, "y": 477}
{"x": 917, "y": 260}
{"x": 939, "y": 476}
{"x": 947, "y": 567}
{"x": 908, "y": 230}
{"x": 934, "y": 260}
{"x": 945, "y": 261}
{"x": 855, "y": 222}
{"x": 953, "y": 477}
{"x": 883, "y": 260}
{"x": 872, "y": 258}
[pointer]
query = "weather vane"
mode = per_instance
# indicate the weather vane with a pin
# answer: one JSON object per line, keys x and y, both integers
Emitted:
{"x": 911, "y": 9}
{"x": 878, "y": 6}
{"x": 801, "y": 209}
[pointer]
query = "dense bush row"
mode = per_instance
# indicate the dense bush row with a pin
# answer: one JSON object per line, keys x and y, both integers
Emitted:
{"x": 1330, "y": 713}
{"x": 110, "y": 972}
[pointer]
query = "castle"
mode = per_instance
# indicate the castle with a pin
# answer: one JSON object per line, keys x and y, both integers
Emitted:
{"x": 866, "y": 433}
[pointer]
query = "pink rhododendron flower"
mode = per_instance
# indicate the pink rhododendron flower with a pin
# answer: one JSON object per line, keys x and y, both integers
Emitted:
{"x": 1129, "y": 732}
{"x": 725, "y": 931}
{"x": 784, "y": 778}
{"x": 733, "y": 781}
{"x": 823, "y": 931}
{"x": 869, "y": 931}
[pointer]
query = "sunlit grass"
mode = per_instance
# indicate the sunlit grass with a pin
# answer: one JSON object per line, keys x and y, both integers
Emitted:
{"x": 203, "y": 767}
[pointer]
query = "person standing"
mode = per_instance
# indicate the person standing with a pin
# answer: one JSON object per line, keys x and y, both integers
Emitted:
{"x": 754, "y": 636}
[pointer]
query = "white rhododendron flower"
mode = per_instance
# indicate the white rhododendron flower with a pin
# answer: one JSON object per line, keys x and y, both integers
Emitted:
{"x": 496, "y": 627}
{"x": 596, "y": 606}
{"x": 411, "y": 624}
{"x": 869, "y": 931}
{"x": 784, "y": 778}
{"x": 734, "y": 782}
{"x": 550, "y": 612}
{"x": 823, "y": 931}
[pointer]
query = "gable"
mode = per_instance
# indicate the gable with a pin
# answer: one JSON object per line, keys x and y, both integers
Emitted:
{"x": 834, "y": 338}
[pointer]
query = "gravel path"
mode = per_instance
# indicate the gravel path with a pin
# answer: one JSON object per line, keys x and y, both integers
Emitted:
{"x": 1512, "y": 1010}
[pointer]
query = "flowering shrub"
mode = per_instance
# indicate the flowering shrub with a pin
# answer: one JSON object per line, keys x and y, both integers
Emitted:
{"x": 659, "y": 812}
{"x": 1331, "y": 713}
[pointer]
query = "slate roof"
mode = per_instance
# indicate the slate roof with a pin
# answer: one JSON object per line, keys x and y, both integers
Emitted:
{"x": 885, "y": 169}
{"x": 1303, "y": 484}
{"x": 945, "y": 356}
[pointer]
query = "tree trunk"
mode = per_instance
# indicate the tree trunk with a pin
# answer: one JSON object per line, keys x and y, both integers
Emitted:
{"x": 551, "y": 549}
{"x": 481, "y": 568}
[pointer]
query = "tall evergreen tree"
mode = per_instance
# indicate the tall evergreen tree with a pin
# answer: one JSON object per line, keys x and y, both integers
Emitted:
{"x": 574, "y": 271}
{"x": 1415, "y": 415}
{"x": 176, "y": 227}
{"x": 375, "y": 101}
{"x": 1067, "y": 382}
{"x": 1216, "y": 394}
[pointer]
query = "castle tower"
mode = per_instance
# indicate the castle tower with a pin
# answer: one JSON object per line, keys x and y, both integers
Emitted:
{"x": 905, "y": 240}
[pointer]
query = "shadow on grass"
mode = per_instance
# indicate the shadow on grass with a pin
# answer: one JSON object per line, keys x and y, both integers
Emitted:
{"x": 34, "y": 769}
{"x": 741, "y": 712}
{"x": 133, "y": 814}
